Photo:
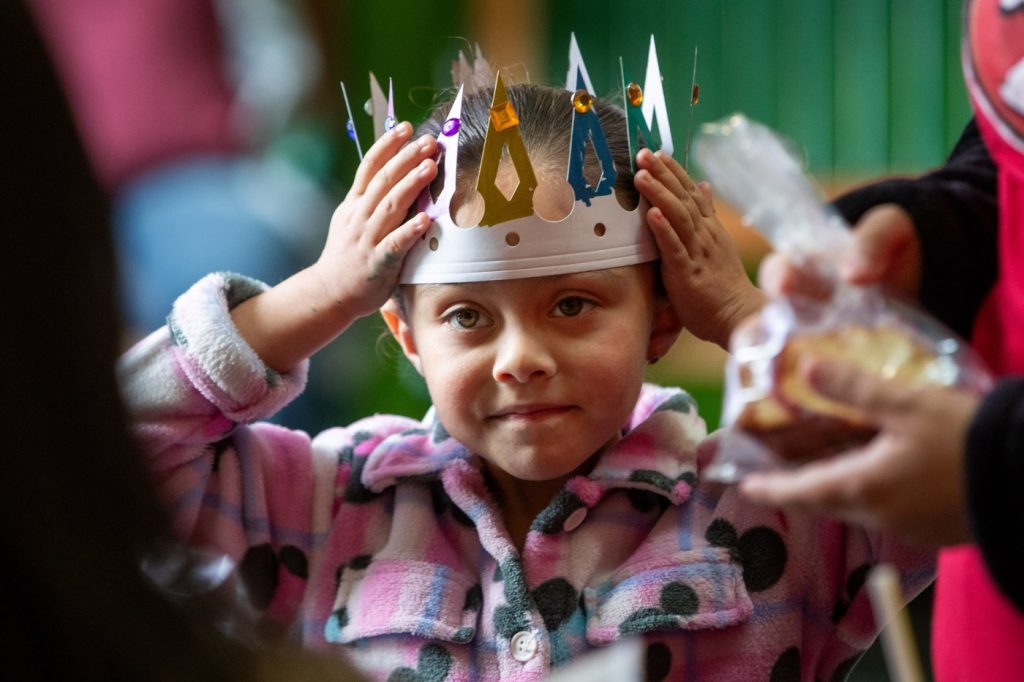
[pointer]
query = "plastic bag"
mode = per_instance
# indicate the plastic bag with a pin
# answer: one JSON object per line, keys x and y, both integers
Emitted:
{"x": 772, "y": 418}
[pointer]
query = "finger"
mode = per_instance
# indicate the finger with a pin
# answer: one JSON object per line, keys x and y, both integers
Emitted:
{"x": 835, "y": 486}
{"x": 680, "y": 211}
{"x": 846, "y": 383}
{"x": 669, "y": 173}
{"x": 397, "y": 168}
{"x": 392, "y": 209}
{"x": 656, "y": 166}
{"x": 391, "y": 252}
{"x": 670, "y": 246}
{"x": 705, "y": 199}
{"x": 779, "y": 276}
{"x": 382, "y": 150}
{"x": 682, "y": 177}
{"x": 880, "y": 237}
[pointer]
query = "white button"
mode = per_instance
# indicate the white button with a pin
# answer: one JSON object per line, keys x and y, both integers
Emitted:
{"x": 524, "y": 646}
{"x": 575, "y": 519}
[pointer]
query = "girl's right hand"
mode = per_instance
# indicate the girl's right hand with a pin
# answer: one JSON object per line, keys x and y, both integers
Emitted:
{"x": 358, "y": 269}
{"x": 369, "y": 235}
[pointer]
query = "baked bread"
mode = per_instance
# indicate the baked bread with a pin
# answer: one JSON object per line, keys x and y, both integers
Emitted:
{"x": 797, "y": 422}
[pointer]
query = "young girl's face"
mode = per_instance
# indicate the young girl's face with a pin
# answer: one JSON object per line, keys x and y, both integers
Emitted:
{"x": 534, "y": 375}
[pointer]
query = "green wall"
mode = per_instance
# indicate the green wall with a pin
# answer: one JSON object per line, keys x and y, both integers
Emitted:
{"x": 863, "y": 86}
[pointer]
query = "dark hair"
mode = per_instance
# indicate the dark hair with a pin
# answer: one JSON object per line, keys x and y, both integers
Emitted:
{"x": 545, "y": 122}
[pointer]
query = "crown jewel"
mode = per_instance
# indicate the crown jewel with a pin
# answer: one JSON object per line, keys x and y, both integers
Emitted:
{"x": 509, "y": 239}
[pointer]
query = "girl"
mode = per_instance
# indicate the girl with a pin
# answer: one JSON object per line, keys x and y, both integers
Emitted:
{"x": 550, "y": 502}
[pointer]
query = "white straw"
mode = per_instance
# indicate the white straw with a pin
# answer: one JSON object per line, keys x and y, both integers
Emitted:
{"x": 897, "y": 637}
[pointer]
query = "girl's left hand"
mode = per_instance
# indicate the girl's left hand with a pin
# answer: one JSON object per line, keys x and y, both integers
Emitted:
{"x": 701, "y": 268}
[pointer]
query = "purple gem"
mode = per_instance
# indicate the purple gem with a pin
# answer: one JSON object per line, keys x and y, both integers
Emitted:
{"x": 389, "y": 123}
{"x": 351, "y": 130}
{"x": 450, "y": 127}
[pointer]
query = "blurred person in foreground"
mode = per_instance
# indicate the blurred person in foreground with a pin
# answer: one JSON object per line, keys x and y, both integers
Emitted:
{"x": 78, "y": 519}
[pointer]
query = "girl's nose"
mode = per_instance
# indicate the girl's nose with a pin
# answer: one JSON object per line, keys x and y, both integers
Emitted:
{"x": 521, "y": 357}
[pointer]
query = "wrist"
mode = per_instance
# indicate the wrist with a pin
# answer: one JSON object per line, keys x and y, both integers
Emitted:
{"x": 744, "y": 303}
{"x": 324, "y": 292}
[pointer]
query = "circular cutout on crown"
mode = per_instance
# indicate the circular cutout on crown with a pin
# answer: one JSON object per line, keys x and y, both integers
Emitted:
{"x": 433, "y": 243}
{"x": 599, "y": 229}
{"x": 467, "y": 207}
{"x": 553, "y": 200}
{"x": 512, "y": 239}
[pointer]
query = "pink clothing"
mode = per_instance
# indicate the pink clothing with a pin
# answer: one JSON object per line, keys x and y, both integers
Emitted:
{"x": 977, "y": 633}
{"x": 382, "y": 540}
{"x": 143, "y": 77}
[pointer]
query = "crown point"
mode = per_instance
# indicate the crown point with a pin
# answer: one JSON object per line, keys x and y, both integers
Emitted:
{"x": 503, "y": 115}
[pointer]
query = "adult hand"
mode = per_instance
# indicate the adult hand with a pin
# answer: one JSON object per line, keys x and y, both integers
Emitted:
{"x": 885, "y": 251}
{"x": 907, "y": 480}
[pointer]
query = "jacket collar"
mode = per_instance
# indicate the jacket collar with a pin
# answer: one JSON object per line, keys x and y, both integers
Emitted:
{"x": 657, "y": 451}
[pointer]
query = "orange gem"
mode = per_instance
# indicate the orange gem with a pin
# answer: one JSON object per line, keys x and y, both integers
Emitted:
{"x": 582, "y": 101}
{"x": 695, "y": 95}
{"x": 503, "y": 116}
{"x": 635, "y": 94}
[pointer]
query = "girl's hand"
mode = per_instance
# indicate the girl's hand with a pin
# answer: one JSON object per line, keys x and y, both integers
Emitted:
{"x": 358, "y": 269}
{"x": 369, "y": 235}
{"x": 705, "y": 280}
{"x": 907, "y": 480}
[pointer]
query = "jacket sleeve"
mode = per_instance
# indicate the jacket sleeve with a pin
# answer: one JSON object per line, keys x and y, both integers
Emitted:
{"x": 955, "y": 212}
{"x": 193, "y": 388}
{"x": 995, "y": 475}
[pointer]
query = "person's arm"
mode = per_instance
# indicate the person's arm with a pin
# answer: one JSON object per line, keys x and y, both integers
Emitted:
{"x": 994, "y": 479}
{"x": 954, "y": 213}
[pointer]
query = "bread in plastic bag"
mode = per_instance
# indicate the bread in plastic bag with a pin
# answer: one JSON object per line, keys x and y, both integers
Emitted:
{"x": 771, "y": 416}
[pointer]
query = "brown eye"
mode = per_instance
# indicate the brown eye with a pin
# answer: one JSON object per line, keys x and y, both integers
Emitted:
{"x": 464, "y": 318}
{"x": 571, "y": 306}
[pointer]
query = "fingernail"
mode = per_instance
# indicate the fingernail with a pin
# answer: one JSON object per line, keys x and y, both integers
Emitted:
{"x": 402, "y": 129}
{"x": 426, "y": 143}
{"x": 425, "y": 169}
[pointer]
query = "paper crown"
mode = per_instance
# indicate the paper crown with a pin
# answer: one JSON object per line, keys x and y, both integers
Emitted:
{"x": 510, "y": 240}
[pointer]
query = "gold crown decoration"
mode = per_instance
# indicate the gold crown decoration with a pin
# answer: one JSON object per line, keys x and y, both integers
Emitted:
{"x": 509, "y": 238}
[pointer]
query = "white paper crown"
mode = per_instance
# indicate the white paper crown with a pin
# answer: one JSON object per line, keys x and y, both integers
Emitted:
{"x": 510, "y": 240}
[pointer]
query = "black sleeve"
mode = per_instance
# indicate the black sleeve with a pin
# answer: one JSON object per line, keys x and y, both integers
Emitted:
{"x": 954, "y": 211}
{"x": 995, "y": 485}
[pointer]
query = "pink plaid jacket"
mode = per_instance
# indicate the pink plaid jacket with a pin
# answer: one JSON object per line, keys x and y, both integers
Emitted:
{"x": 381, "y": 539}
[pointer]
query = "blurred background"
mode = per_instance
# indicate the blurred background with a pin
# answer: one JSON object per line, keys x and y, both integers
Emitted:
{"x": 864, "y": 88}
{"x": 218, "y": 128}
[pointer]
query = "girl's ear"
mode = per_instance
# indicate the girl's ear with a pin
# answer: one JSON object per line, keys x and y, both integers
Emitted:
{"x": 400, "y": 329}
{"x": 665, "y": 329}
